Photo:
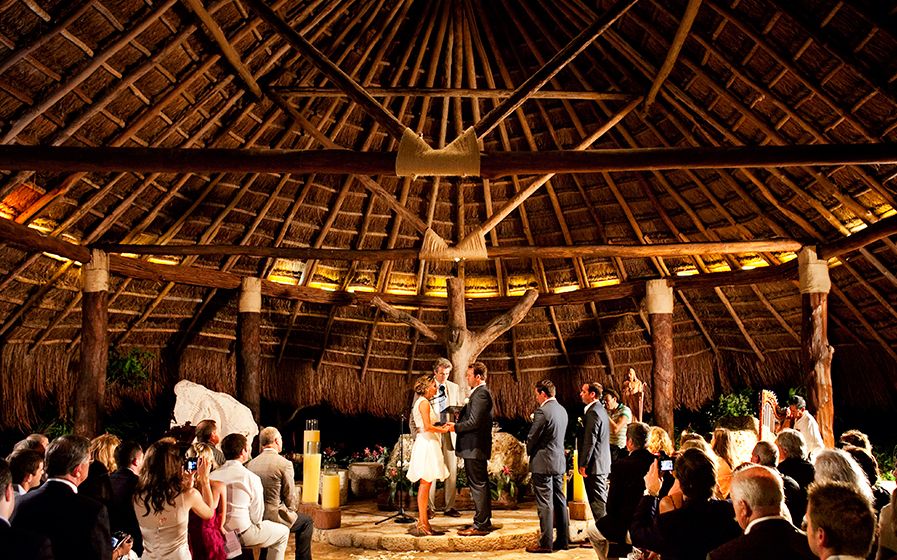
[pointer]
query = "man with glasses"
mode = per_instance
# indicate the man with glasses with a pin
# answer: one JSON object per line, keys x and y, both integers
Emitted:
{"x": 447, "y": 394}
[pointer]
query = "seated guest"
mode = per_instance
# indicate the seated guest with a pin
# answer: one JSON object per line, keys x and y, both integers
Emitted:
{"x": 77, "y": 526}
{"x": 27, "y": 467}
{"x": 627, "y": 484}
{"x": 869, "y": 465}
{"x": 207, "y": 432}
{"x": 164, "y": 497}
{"x": 206, "y": 536}
{"x": 836, "y": 465}
{"x": 699, "y": 526}
{"x": 767, "y": 454}
{"x": 37, "y": 442}
{"x": 793, "y": 462}
{"x": 122, "y": 517}
{"x": 102, "y": 462}
{"x": 246, "y": 501}
{"x": 276, "y": 473}
{"x": 14, "y": 543}
{"x": 887, "y": 531}
{"x": 840, "y": 522}
{"x": 757, "y": 496}
{"x": 724, "y": 448}
{"x": 855, "y": 438}
{"x": 674, "y": 498}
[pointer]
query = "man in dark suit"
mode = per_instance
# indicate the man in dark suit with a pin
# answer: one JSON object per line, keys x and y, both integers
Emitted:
{"x": 15, "y": 543}
{"x": 793, "y": 462}
{"x": 77, "y": 526}
{"x": 627, "y": 484}
{"x": 699, "y": 526}
{"x": 122, "y": 517}
{"x": 767, "y": 454}
{"x": 594, "y": 449}
{"x": 757, "y": 496}
{"x": 840, "y": 522}
{"x": 474, "y": 445}
{"x": 545, "y": 447}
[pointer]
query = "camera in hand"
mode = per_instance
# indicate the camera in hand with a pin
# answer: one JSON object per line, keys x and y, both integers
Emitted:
{"x": 191, "y": 464}
{"x": 664, "y": 462}
{"x": 118, "y": 538}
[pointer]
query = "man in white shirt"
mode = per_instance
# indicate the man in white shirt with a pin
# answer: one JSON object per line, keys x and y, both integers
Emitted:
{"x": 27, "y": 467}
{"x": 840, "y": 522}
{"x": 246, "y": 501}
{"x": 447, "y": 394}
{"x": 805, "y": 424}
{"x": 14, "y": 543}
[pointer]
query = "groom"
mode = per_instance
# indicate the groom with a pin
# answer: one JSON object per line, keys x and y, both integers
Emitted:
{"x": 474, "y": 445}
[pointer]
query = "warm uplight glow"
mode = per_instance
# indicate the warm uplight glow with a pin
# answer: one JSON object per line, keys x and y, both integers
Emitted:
{"x": 721, "y": 266}
{"x": 353, "y": 289}
{"x": 130, "y": 255}
{"x": 171, "y": 261}
{"x": 41, "y": 226}
{"x": 55, "y": 257}
{"x": 513, "y": 292}
{"x": 752, "y": 263}
{"x": 605, "y": 282}
{"x": 565, "y": 288}
{"x": 687, "y": 271}
{"x": 283, "y": 279}
{"x": 834, "y": 261}
{"x": 5, "y": 214}
{"x": 401, "y": 292}
{"x": 787, "y": 256}
{"x": 481, "y": 294}
{"x": 856, "y": 225}
{"x": 326, "y": 286}
{"x": 887, "y": 211}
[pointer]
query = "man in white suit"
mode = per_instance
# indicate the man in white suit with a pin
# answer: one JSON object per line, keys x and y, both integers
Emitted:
{"x": 447, "y": 394}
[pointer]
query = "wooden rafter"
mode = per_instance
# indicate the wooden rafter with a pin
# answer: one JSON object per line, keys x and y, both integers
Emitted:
{"x": 688, "y": 18}
{"x": 467, "y": 93}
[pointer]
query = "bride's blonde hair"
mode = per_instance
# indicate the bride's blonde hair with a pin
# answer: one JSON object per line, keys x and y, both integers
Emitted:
{"x": 424, "y": 381}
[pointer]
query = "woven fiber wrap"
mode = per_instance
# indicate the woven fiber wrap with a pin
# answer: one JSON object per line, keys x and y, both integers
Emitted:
{"x": 460, "y": 158}
{"x": 659, "y": 296}
{"x": 434, "y": 248}
{"x": 813, "y": 272}
{"x": 95, "y": 274}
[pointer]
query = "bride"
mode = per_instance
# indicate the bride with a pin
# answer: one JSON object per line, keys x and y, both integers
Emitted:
{"x": 427, "y": 463}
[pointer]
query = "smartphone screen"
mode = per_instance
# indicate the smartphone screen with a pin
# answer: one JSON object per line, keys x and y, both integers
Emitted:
{"x": 666, "y": 465}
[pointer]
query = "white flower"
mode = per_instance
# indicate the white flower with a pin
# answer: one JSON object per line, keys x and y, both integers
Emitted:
{"x": 532, "y": 416}
{"x": 467, "y": 400}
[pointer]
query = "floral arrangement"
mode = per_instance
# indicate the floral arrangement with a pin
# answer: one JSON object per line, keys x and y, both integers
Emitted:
{"x": 508, "y": 467}
{"x": 397, "y": 480}
{"x": 376, "y": 454}
{"x": 503, "y": 482}
{"x": 329, "y": 458}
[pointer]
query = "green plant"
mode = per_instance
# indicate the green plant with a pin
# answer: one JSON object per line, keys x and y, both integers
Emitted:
{"x": 128, "y": 369}
{"x": 56, "y": 428}
{"x": 504, "y": 481}
{"x": 733, "y": 404}
{"x": 887, "y": 462}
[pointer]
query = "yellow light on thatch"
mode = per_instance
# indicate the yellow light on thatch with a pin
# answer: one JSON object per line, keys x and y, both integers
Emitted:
{"x": 283, "y": 279}
{"x": 55, "y": 257}
{"x": 43, "y": 226}
{"x": 687, "y": 271}
{"x": 564, "y": 288}
{"x": 519, "y": 291}
{"x": 886, "y": 211}
{"x": 856, "y": 225}
{"x": 401, "y": 291}
{"x": 721, "y": 266}
{"x": 753, "y": 262}
{"x": 787, "y": 256}
{"x": 326, "y": 286}
{"x": 5, "y": 214}
{"x": 360, "y": 288}
{"x": 167, "y": 259}
{"x": 602, "y": 282}
{"x": 482, "y": 294}
{"x": 130, "y": 255}
{"x": 834, "y": 261}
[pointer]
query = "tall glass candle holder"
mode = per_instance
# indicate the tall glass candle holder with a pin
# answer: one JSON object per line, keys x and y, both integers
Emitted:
{"x": 311, "y": 472}
{"x": 312, "y": 433}
{"x": 330, "y": 489}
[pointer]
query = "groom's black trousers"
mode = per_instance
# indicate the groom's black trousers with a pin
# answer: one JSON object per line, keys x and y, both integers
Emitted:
{"x": 478, "y": 481}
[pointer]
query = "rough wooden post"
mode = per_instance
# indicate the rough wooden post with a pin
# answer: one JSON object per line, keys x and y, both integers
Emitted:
{"x": 249, "y": 345}
{"x": 91, "y": 387}
{"x": 815, "y": 352}
{"x": 457, "y": 337}
{"x": 660, "y": 312}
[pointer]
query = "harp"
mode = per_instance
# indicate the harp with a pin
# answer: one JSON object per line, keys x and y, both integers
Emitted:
{"x": 770, "y": 416}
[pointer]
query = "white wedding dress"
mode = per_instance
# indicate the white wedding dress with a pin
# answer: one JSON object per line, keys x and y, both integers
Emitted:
{"x": 427, "y": 462}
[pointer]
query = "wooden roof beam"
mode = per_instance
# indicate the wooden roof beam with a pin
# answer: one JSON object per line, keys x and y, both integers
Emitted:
{"x": 466, "y": 93}
{"x": 227, "y": 49}
{"x": 688, "y": 18}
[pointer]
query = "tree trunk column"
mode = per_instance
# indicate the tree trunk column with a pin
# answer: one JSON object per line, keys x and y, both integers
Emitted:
{"x": 816, "y": 353}
{"x": 249, "y": 345}
{"x": 660, "y": 313}
{"x": 91, "y": 387}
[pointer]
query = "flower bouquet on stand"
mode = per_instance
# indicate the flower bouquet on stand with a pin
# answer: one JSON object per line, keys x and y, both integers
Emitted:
{"x": 366, "y": 470}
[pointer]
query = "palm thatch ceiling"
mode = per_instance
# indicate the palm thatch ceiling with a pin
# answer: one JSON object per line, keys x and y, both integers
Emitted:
{"x": 148, "y": 74}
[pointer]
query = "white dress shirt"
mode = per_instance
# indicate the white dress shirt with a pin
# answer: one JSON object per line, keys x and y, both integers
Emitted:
{"x": 809, "y": 428}
{"x": 245, "y": 495}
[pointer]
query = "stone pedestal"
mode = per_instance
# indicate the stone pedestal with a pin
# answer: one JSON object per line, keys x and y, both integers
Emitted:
{"x": 578, "y": 510}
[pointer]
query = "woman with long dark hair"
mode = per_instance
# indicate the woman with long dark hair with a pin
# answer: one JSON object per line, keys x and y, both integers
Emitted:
{"x": 165, "y": 496}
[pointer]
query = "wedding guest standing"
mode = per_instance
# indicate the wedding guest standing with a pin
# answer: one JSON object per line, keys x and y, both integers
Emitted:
{"x": 474, "y": 445}
{"x": 545, "y": 447}
{"x": 426, "y": 464}
{"x": 122, "y": 517}
{"x": 594, "y": 449}
{"x": 206, "y": 536}
{"x": 620, "y": 417}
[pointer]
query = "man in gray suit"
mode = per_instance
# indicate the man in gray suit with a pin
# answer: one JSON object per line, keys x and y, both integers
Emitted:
{"x": 594, "y": 449}
{"x": 276, "y": 473}
{"x": 545, "y": 446}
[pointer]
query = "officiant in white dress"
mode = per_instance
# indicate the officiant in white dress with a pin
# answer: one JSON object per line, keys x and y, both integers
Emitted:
{"x": 427, "y": 463}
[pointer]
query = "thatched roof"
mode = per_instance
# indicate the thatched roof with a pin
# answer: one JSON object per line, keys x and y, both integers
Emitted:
{"x": 131, "y": 73}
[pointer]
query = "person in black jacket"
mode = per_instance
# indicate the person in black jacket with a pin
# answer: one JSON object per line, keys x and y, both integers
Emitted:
{"x": 15, "y": 543}
{"x": 77, "y": 526}
{"x": 699, "y": 526}
{"x": 793, "y": 462}
{"x": 474, "y": 445}
{"x": 767, "y": 454}
{"x": 122, "y": 517}
{"x": 594, "y": 449}
{"x": 627, "y": 484}
{"x": 757, "y": 495}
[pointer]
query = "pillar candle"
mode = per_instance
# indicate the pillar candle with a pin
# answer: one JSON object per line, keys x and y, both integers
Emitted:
{"x": 330, "y": 491}
{"x": 311, "y": 477}
{"x": 310, "y": 435}
{"x": 579, "y": 485}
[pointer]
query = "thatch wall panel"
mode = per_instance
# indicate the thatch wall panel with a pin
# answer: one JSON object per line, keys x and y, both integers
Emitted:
{"x": 34, "y": 382}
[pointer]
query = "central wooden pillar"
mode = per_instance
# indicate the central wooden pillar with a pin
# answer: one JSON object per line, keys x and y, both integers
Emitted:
{"x": 90, "y": 391}
{"x": 660, "y": 313}
{"x": 249, "y": 345}
{"x": 815, "y": 352}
